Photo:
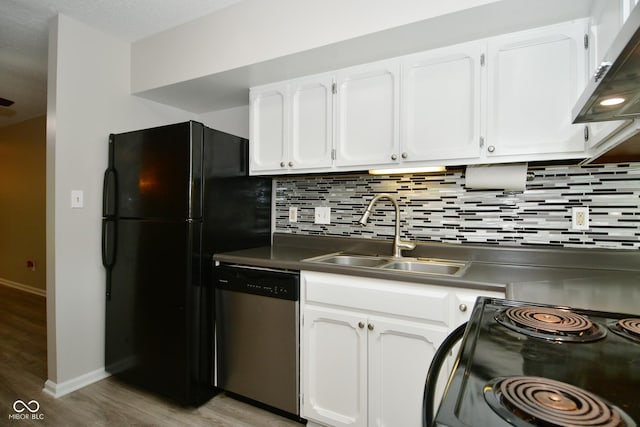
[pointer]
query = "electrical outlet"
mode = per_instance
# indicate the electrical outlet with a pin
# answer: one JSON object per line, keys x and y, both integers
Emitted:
{"x": 322, "y": 215}
{"x": 580, "y": 218}
{"x": 293, "y": 214}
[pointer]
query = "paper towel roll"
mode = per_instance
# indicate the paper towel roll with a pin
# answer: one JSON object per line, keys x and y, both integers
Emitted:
{"x": 508, "y": 177}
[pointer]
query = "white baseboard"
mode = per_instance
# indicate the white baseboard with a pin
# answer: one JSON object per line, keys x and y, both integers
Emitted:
{"x": 25, "y": 288}
{"x": 60, "y": 389}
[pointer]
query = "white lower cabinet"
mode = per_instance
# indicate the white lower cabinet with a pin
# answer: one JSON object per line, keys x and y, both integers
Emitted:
{"x": 335, "y": 367}
{"x": 367, "y": 345}
{"x": 365, "y": 370}
{"x": 399, "y": 355}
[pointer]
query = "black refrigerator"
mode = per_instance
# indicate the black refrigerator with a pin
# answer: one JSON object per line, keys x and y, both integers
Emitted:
{"x": 173, "y": 195}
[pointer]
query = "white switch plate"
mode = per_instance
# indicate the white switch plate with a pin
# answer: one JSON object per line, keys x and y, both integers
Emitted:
{"x": 293, "y": 214}
{"x": 580, "y": 218}
{"x": 77, "y": 199}
{"x": 322, "y": 215}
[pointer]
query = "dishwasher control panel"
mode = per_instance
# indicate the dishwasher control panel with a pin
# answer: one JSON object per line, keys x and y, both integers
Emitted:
{"x": 258, "y": 281}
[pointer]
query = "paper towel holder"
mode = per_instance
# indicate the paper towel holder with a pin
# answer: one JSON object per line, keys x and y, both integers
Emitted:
{"x": 511, "y": 178}
{"x": 530, "y": 177}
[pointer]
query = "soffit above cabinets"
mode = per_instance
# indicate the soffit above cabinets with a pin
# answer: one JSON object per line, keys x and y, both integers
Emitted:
{"x": 229, "y": 88}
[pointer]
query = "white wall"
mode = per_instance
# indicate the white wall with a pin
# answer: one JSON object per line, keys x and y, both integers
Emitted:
{"x": 256, "y": 30}
{"x": 88, "y": 97}
{"x": 208, "y": 64}
{"x": 232, "y": 120}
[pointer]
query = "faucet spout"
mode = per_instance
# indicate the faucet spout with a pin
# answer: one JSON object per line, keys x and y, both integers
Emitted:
{"x": 365, "y": 216}
{"x": 398, "y": 245}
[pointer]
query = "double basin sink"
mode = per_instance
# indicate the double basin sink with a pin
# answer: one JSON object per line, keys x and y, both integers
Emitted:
{"x": 404, "y": 264}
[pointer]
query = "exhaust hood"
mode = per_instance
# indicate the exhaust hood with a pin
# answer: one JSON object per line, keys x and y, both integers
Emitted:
{"x": 613, "y": 93}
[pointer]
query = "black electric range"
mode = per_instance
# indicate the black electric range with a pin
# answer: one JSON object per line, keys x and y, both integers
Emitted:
{"x": 524, "y": 364}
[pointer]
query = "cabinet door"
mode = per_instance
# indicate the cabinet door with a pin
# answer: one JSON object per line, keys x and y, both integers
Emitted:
{"x": 311, "y": 123}
{"x": 464, "y": 301}
{"x": 334, "y": 367}
{"x": 400, "y": 353}
{"x": 367, "y": 114}
{"x": 534, "y": 80}
{"x": 441, "y": 104}
{"x": 268, "y": 129}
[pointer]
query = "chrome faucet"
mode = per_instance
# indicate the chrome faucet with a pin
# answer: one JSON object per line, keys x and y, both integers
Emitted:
{"x": 398, "y": 245}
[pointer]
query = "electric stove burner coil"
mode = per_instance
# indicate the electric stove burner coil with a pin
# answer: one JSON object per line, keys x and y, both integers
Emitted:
{"x": 551, "y": 324}
{"x": 628, "y": 328}
{"x": 527, "y": 401}
{"x": 630, "y": 325}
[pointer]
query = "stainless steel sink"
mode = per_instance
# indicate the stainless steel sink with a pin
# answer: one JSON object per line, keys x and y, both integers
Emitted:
{"x": 427, "y": 267}
{"x": 350, "y": 260}
{"x": 410, "y": 265}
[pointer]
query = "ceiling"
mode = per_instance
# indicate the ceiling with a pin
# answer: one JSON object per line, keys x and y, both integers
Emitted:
{"x": 24, "y": 31}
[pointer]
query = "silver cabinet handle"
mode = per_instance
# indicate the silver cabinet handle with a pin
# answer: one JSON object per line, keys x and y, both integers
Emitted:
{"x": 463, "y": 307}
{"x": 405, "y": 155}
{"x": 361, "y": 325}
{"x": 282, "y": 164}
{"x": 370, "y": 326}
{"x": 394, "y": 157}
{"x": 491, "y": 148}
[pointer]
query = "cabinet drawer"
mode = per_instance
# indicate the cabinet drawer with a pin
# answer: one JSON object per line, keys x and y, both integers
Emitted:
{"x": 397, "y": 298}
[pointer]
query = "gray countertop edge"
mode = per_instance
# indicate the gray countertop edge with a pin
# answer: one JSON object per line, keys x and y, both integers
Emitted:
{"x": 548, "y": 256}
{"x": 461, "y": 282}
{"x": 492, "y": 268}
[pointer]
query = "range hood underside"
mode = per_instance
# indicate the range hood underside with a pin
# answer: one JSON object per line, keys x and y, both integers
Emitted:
{"x": 617, "y": 77}
{"x": 622, "y": 147}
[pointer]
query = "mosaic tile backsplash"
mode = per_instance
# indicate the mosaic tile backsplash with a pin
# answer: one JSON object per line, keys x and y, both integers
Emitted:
{"x": 438, "y": 207}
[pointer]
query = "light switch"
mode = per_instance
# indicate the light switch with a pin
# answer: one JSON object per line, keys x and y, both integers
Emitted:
{"x": 77, "y": 199}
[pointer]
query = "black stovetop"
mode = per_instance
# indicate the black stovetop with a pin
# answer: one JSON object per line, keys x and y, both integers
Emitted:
{"x": 607, "y": 366}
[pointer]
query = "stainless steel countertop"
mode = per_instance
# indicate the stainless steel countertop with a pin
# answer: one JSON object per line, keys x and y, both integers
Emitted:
{"x": 606, "y": 280}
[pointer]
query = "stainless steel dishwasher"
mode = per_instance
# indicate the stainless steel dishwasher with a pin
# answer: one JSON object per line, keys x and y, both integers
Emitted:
{"x": 257, "y": 335}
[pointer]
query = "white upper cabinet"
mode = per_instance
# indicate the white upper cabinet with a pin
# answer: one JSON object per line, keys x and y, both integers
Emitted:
{"x": 311, "y": 123}
{"x": 291, "y": 126}
{"x": 367, "y": 114}
{"x": 534, "y": 80}
{"x": 268, "y": 128}
{"x": 503, "y": 99}
{"x": 440, "y": 108}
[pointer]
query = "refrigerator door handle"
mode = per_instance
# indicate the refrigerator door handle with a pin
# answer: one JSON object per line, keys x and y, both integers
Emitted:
{"x": 109, "y": 187}
{"x": 108, "y": 242}
{"x": 108, "y": 249}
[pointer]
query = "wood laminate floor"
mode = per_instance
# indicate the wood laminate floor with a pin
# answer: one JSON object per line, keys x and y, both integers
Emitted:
{"x": 23, "y": 372}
